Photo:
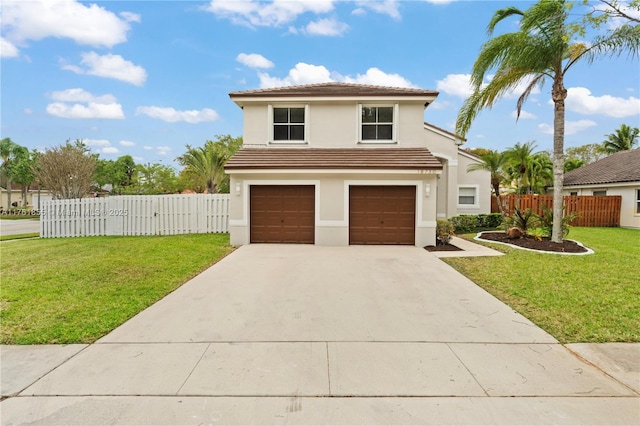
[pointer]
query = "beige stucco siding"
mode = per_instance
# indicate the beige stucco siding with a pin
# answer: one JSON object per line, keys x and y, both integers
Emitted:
{"x": 477, "y": 179}
{"x": 332, "y": 205}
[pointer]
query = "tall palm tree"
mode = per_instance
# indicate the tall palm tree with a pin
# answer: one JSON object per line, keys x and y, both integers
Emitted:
{"x": 623, "y": 139}
{"x": 540, "y": 173}
{"x": 572, "y": 164}
{"x": 542, "y": 48}
{"x": 492, "y": 162}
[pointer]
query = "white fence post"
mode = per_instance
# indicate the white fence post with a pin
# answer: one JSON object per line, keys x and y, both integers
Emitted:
{"x": 135, "y": 215}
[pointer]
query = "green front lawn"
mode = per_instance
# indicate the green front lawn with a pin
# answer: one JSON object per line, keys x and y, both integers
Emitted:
{"x": 592, "y": 298}
{"x": 75, "y": 290}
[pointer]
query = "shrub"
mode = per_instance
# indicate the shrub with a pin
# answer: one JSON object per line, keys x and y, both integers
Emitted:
{"x": 522, "y": 219}
{"x": 464, "y": 223}
{"x": 546, "y": 220}
{"x": 444, "y": 231}
{"x": 468, "y": 223}
{"x": 489, "y": 221}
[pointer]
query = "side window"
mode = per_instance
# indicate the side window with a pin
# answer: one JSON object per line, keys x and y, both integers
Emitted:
{"x": 378, "y": 123}
{"x": 600, "y": 193}
{"x": 637, "y": 201}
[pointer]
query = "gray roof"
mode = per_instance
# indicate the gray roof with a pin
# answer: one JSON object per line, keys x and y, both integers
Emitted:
{"x": 334, "y": 89}
{"x": 623, "y": 166}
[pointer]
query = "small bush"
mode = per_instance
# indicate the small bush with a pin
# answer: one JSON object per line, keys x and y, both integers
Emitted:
{"x": 546, "y": 220}
{"x": 522, "y": 219}
{"x": 464, "y": 224}
{"x": 444, "y": 231}
{"x": 489, "y": 221}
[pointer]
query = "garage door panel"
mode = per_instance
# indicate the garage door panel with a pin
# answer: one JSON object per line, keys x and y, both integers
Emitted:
{"x": 382, "y": 214}
{"x": 282, "y": 214}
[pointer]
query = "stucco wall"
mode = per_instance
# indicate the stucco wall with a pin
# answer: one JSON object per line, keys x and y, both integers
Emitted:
{"x": 332, "y": 195}
{"x": 479, "y": 179}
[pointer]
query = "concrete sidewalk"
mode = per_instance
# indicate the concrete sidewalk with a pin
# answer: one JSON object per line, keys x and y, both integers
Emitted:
{"x": 317, "y": 335}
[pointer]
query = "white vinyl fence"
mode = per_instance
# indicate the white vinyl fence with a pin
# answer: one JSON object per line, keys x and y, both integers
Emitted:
{"x": 135, "y": 215}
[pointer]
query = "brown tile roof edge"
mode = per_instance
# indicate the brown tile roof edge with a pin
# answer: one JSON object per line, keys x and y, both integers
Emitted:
{"x": 334, "y": 158}
{"x": 334, "y": 89}
{"x": 445, "y": 131}
{"x": 623, "y": 166}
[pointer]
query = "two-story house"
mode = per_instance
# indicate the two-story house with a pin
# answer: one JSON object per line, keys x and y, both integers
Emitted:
{"x": 340, "y": 164}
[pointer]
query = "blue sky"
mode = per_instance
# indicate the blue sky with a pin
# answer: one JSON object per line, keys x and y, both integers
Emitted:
{"x": 145, "y": 78}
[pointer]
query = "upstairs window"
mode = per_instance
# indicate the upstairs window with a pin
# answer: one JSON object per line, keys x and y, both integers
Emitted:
{"x": 378, "y": 123}
{"x": 288, "y": 124}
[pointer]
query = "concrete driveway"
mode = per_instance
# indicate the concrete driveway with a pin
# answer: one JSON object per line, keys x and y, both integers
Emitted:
{"x": 280, "y": 334}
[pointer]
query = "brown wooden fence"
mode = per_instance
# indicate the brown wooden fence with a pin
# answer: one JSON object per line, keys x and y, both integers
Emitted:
{"x": 592, "y": 210}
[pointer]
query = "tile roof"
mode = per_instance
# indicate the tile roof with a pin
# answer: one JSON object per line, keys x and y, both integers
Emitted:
{"x": 623, "y": 166}
{"x": 334, "y": 89}
{"x": 334, "y": 158}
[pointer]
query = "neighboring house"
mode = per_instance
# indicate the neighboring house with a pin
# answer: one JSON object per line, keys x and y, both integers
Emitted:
{"x": 34, "y": 199}
{"x": 340, "y": 164}
{"x": 617, "y": 174}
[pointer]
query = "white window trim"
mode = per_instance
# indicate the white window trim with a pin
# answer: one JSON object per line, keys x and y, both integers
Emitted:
{"x": 395, "y": 132}
{"x": 270, "y": 124}
{"x": 476, "y": 198}
{"x": 636, "y": 201}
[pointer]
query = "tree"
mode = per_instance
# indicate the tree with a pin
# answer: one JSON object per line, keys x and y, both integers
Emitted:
{"x": 572, "y": 164}
{"x": 207, "y": 162}
{"x": 118, "y": 174}
{"x": 150, "y": 179}
{"x": 9, "y": 153}
{"x": 540, "y": 173}
{"x": 613, "y": 9}
{"x": 67, "y": 171}
{"x": 492, "y": 162}
{"x": 623, "y": 139}
{"x": 22, "y": 172}
{"x": 518, "y": 159}
{"x": 542, "y": 48}
{"x": 586, "y": 153}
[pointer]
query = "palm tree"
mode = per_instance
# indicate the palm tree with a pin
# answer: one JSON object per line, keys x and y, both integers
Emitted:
{"x": 624, "y": 139}
{"x": 572, "y": 164}
{"x": 540, "y": 173}
{"x": 542, "y": 48}
{"x": 492, "y": 162}
{"x": 518, "y": 159}
{"x": 207, "y": 162}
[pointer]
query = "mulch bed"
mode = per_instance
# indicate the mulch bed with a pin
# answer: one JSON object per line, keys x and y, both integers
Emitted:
{"x": 531, "y": 243}
{"x": 443, "y": 247}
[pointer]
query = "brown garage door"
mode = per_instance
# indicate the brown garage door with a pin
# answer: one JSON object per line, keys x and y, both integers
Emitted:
{"x": 282, "y": 214}
{"x": 382, "y": 214}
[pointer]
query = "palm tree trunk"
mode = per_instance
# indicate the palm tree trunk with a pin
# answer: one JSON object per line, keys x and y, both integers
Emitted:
{"x": 9, "y": 188}
{"x": 559, "y": 94}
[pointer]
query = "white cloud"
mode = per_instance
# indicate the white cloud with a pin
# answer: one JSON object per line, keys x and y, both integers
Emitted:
{"x": 326, "y": 27}
{"x": 127, "y": 143}
{"x": 109, "y": 66}
{"x": 100, "y": 143}
{"x": 580, "y": 100}
{"x": 440, "y": 1}
{"x": 309, "y": 74}
{"x": 171, "y": 115}
{"x": 110, "y": 150}
{"x": 254, "y": 60}
{"x": 85, "y": 24}
{"x": 28, "y": 111}
{"x": 456, "y": 85}
{"x": 92, "y": 110}
{"x": 148, "y": 148}
{"x": 163, "y": 150}
{"x": 104, "y": 106}
{"x": 130, "y": 17}
{"x": 377, "y": 77}
{"x": 570, "y": 127}
{"x": 386, "y": 7}
{"x": 524, "y": 115}
{"x": 80, "y": 95}
{"x": 266, "y": 14}
{"x": 7, "y": 49}
{"x": 459, "y": 85}
{"x": 301, "y": 74}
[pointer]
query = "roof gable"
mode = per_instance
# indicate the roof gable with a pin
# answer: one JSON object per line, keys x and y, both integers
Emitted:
{"x": 623, "y": 166}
